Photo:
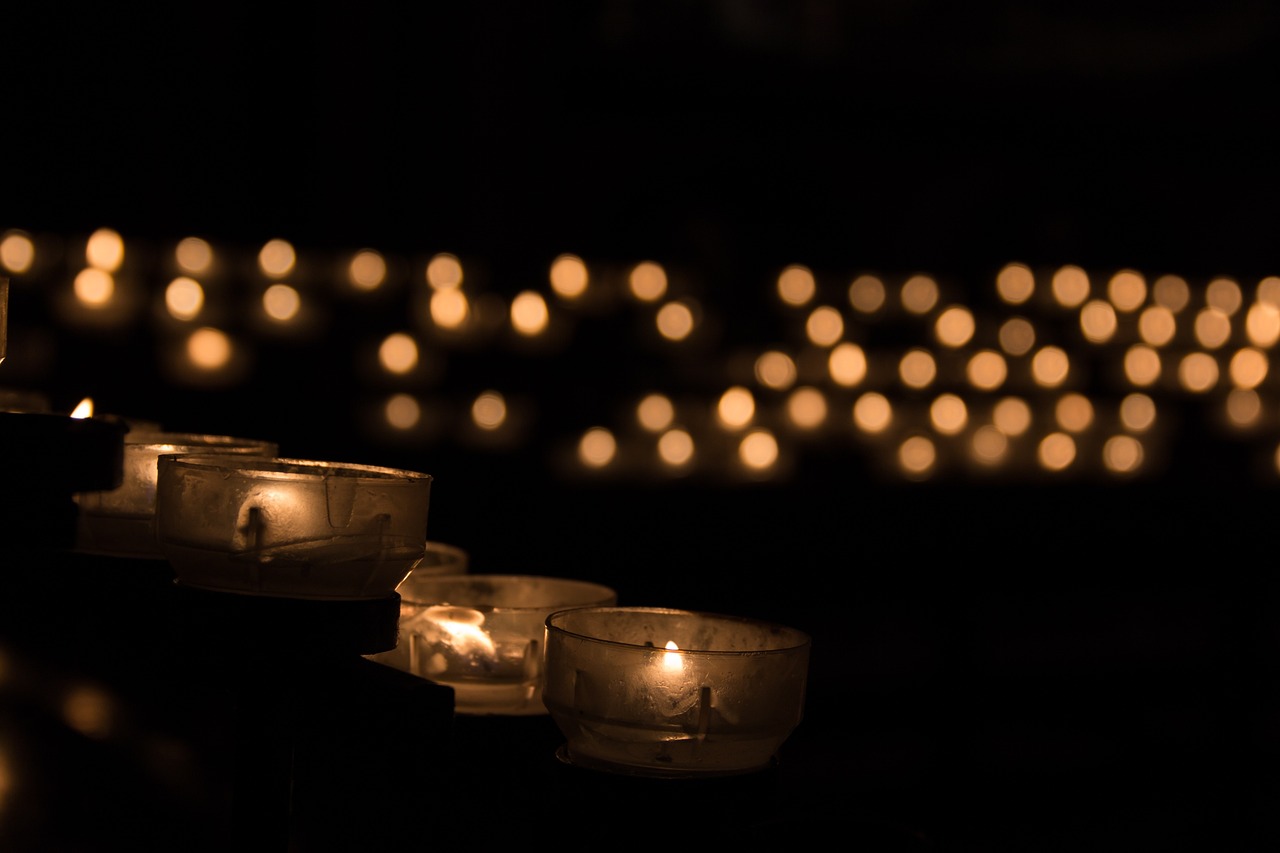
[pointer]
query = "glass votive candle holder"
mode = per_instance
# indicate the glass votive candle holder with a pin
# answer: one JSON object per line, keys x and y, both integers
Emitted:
{"x": 483, "y": 635}
{"x": 122, "y": 521}
{"x": 672, "y": 693}
{"x": 290, "y": 527}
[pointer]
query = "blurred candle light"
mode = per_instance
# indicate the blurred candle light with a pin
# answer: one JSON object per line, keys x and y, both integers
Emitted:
{"x": 847, "y": 364}
{"x": 277, "y": 258}
{"x": 1012, "y": 416}
{"x": 758, "y": 451}
{"x": 1224, "y": 294}
{"x": 367, "y": 270}
{"x": 402, "y": 412}
{"x": 1262, "y": 324}
{"x": 184, "y": 298}
{"x": 1015, "y": 283}
{"x": 1050, "y": 366}
{"x": 676, "y": 448}
{"x": 1268, "y": 291}
{"x": 529, "y": 314}
{"x": 776, "y": 370}
{"x": 568, "y": 277}
{"x": 948, "y": 414}
{"x": 917, "y": 457}
{"x": 988, "y": 445}
{"x": 1243, "y": 408}
{"x": 597, "y": 448}
{"x": 1172, "y": 292}
{"x": 1198, "y": 372}
{"x": 1123, "y": 454}
{"x": 1127, "y": 290}
{"x": 917, "y": 368}
{"x": 1056, "y": 451}
{"x": 670, "y": 693}
{"x": 193, "y": 255}
{"x": 1098, "y": 321}
{"x": 1157, "y": 325}
{"x": 872, "y": 413}
{"x": 824, "y": 326}
{"x": 1212, "y": 328}
{"x": 676, "y": 320}
{"x": 1073, "y": 412}
{"x": 17, "y": 252}
{"x": 954, "y": 326}
{"x": 489, "y": 410}
{"x": 1017, "y": 336}
{"x": 1137, "y": 412}
{"x": 647, "y": 281}
{"x": 736, "y": 408}
{"x": 1070, "y": 286}
{"x": 919, "y": 294}
{"x": 986, "y": 370}
{"x": 281, "y": 302}
{"x": 398, "y": 353}
{"x": 655, "y": 412}
{"x": 1142, "y": 365}
{"x": 867, "y": 294}
{"x": 807, "y": 408}
{"x": 796, "y": 285}
{"x": 1248, "y": 368}
{"x": 104, "y": 250}
{"x": 444, "y": 272}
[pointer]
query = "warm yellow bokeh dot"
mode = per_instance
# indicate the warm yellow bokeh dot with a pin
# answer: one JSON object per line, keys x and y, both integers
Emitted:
{"x": 277, "y": 258}
{"x": 1012, "y": 416}
{"x": 648, "y": 281}
{"x": 736, "y": 407}
{"x": 444, "y": 271}
{"x": 655, "y": 412}
{"x": 1070, "y": 286}
{"x": 1137, "y": 412}
{"x": 1015, "y": 283}
{"x": 872, "y": 412}
{"x": 824, "y": 326}
{"x": 867, "y": 294}
{"x": 1098, "y": 321}
{"x": 568, "y": 276}
{"x": 847, "y": 364}
{"x": 529, "y": 314}
{"x": 104, "y": 250}
{"x": 776, "y": 370}
{"x": 917, "y": 368}
{"x": 920, "y": 294}
{"x": 1017, "y": 336}
{"x": 367, "y": 270}
{"x": 987, "y": 370}
{"x": 796, "y": 285}
{"x": 597, "y": 447}
{"x": 1142, "y": 365}
{"x": 954, "y": 326}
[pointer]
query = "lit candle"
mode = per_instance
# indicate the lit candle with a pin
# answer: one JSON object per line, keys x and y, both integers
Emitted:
{"x": 122, "y": 521}
{"x": 483, "y": 635}
{"x": 672, "y": 693}
{"x": 290, "y": 527}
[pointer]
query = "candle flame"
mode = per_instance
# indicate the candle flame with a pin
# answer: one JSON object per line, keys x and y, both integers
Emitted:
{"x": 83, "y": 409}
{"x": 670, "y": 660}
{"x": 464, "y": 628}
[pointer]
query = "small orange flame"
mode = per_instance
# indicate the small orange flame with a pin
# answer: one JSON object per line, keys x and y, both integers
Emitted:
{"x": 83, "y": 409}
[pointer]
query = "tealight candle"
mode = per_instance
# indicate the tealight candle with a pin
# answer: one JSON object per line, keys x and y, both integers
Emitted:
{"x": 122, "y": 521}
{"x": 483, "y": 635}
{"x": 290, "y": 527}
{"x": 672, "y": 693}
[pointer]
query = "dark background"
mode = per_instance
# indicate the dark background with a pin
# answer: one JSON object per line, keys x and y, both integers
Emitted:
{"x": 1021, "y": 666}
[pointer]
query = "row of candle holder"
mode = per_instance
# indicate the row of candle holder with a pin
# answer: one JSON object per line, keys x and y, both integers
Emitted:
{"x": 637, "y": 690}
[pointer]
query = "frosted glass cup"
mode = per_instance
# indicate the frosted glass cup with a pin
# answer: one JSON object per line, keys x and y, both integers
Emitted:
{"x": 290, "y": 527}
{"x": 483, "y": 635}
{"x": 122, "y": 521}
{"x": 672, "y": 693}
